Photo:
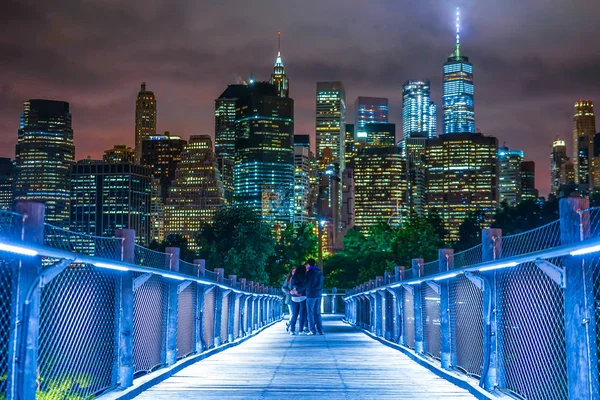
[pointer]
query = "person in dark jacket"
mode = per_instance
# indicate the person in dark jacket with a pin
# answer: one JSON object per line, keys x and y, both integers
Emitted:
{"x": 314, "y": 290}
{"x": 298, "y": 291}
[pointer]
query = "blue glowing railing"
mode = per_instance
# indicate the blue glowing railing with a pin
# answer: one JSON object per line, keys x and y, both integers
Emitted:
{"x": 102, "y": 320}
{"x": 508, "y": 312}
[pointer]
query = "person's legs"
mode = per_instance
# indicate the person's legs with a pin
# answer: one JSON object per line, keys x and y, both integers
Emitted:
{"x": 318, "y": 320}
{"x": 302, "y": 322}
{"x": 305, "y": 307}
{"x": 311, "y": 314}
{"x": 295, "y": 309}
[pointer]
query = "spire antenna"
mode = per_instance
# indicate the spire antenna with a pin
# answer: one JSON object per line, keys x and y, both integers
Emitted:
{"x": 457, "y": 32}
{"x": 278, "y": 44}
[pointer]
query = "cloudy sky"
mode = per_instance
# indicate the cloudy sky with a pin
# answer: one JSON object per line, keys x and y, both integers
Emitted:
{"x": 532, "y": 58}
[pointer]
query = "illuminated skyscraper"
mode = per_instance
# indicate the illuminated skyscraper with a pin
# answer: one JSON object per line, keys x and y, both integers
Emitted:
{"x": 509, "y": 176}
{"x": 350, "y": 144}
{"x": 584, "y": 130}
{"x": 302, "y": 172}
{"x": 370, "y": 110}
{"x": 145, "y": 119}
{"x": 462, "y": 177}
{"x": 162, "y": 154}
{"x": 119, "y": 154}
{"x": 44, "y": 155}
{"x": 264, "y": 165}
{"x": 279, "y": 78}
{"x": 458, "y": 91}
{"x": 380, "y": 190}
{"x": 196, "y": 193}
{"x": 376, "y": 135}
{"x": 419, "y": 112}
{"x": 7, "y": 170}
{"x": 558, "y": 158}
{"x": 331, "y": 120}
{"x": 225, "y": 135}
{"x": 110, "y": 196}
{"x": 528, "y": 190}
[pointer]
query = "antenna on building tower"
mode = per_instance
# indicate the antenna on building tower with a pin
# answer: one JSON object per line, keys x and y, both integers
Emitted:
{"x": 457, "y": 32}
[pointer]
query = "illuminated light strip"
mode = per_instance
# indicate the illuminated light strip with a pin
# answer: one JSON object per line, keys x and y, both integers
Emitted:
{"x": 498, "y": 266}
{"x": 585, "y": 250}
{"x": 18, "y": 250}
{"x": 446, "y": 276}
{"x": 111, "y": 266}
{"x": 414, "y": 282}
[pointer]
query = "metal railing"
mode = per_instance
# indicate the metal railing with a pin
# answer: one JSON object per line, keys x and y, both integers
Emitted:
{"x": 521, "y": 314}
{"x": 81, "y": 315}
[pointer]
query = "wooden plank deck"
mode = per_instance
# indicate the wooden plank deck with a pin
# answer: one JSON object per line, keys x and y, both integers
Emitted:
{"x": 343, "y": 364}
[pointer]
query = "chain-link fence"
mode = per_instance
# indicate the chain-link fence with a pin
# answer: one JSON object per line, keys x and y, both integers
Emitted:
{"x": 8, "y": 267}
{"x": 430, "y": 304}
{"x": 466, "y": 322}
{"x": 532, "y": 330}
{"x": 431, "y": 268}
{"x": 77, "y": 333}
{"x": 151, "y": 258}
{"x": 224, "y": 317}
{"x": 149, "y": 321}
{"x": 209, "y": 318}
{"x": 186, "y": 320}
{"x": 409, "y": 318}
{"x": 11, "y": 225}
{"x": 95, "y": 246}
{"x": 541, "y": 238}
{"x": 472, "y": 256}
{"x": 595, "y": 265}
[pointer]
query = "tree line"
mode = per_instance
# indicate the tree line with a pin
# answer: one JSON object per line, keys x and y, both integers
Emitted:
{"x": 242, "y": 243}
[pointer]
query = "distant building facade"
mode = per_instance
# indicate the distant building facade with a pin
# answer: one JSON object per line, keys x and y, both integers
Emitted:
{"x": 44, "y": 156}
{"x": 110, "y": 196}
{"x": 145, "y": 119}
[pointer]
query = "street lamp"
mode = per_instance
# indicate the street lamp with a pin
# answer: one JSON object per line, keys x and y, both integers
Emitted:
{"x": 321, "y": 225}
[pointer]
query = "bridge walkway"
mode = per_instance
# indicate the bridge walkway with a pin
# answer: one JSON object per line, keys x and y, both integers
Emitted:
{"x": 343, "y": 364}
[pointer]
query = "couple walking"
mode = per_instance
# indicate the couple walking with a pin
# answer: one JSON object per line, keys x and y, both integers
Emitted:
{"x": 303, "y": 288}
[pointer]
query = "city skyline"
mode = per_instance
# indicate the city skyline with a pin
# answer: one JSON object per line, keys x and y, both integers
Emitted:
{"x": 187, "y": 75}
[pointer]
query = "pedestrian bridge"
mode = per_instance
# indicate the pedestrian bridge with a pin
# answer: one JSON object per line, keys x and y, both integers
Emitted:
{"x": 93, "y": 317}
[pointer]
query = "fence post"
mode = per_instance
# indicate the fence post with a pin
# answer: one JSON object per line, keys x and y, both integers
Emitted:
{"x": 250, "y": 308}
{"x": 172, "y": 312}
{"x": 446, "y": 263}
{"x": 200, "y": 289}
{"x": 125, "y": 303}
{"x": 417, "y": 266}
{"x": 379, "y": 307}
{"x": 492, "y": 312}
{"x": 25, "y": 313}
{"x": 231, "y": 324}
{"x": 218, "y": 307}
{"x": 580, "y": 330}
{"x": 333, "y": 301}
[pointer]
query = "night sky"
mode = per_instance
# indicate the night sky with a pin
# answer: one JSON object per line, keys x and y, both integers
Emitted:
{"x": 532, "y": 60}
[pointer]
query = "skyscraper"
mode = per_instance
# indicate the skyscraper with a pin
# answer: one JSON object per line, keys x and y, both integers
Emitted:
{"x": 462, "y": 177}
{"x": 509, "y": 176}
{"x": 264, "y": 167}
{"x": 331, "y": 120}
{"x": 44, "y": 156}
{"x": 278, "y": 77}
{"x": 558, "y": 158}
{"x": 584, "y": 130}
{"x": 145, "y": 119}
{"x": 7, "y": 170}
{"x": 119, "y": 154}
{"x": 528, "y": 190}
{"x": 162, "y": 154}
{"x": 370, "y": 110}
{"x": 302, "y": 172}
{"x": 419, "y": 112}
{"x": 458, "y": 91}
{"x": 109, "y": 196}
{"x": 376, "y": 135}
{"x": 196, "y": 193}
{"x": 225, "y": 135}
{"x": 380, "y": 190}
